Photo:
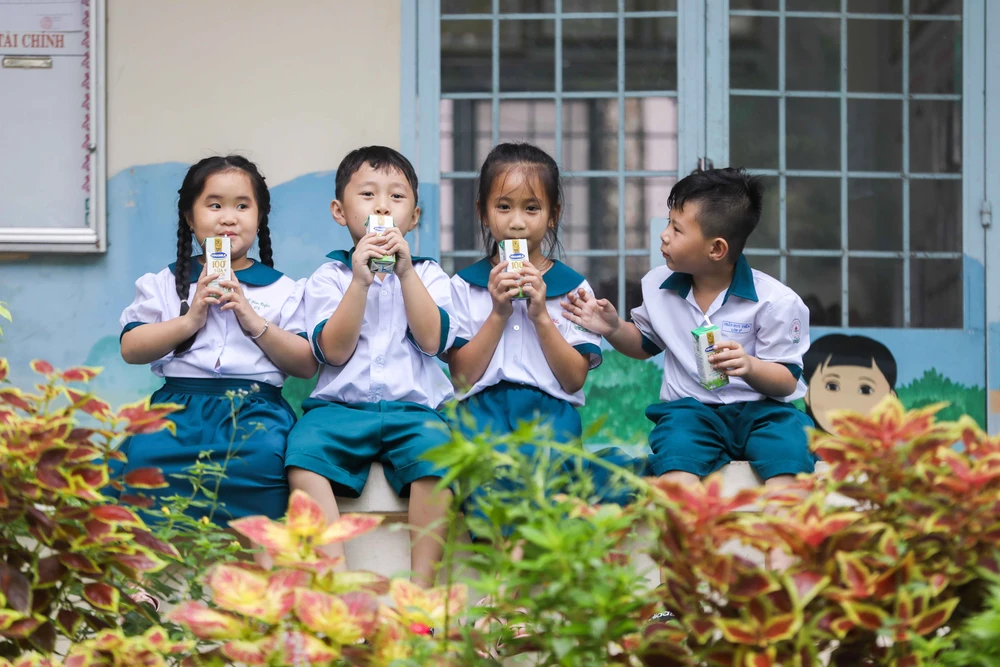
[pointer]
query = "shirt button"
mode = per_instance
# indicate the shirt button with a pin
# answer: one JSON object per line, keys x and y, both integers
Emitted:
{"x": 517, "y": 327}
{"x": 384, "y": 293}
{"x": 515, "y": 360}
{"x": 382, "y": 329}
{"x": 379, "y": 359}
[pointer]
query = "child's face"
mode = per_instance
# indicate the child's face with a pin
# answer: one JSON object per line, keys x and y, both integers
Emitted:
{"x": 517, "y": 208}
{"x": 376, "y": 192}
{"x": 682, "y": 243}
{"x": 226, "y": 207}
{"x": 854, "y": 388}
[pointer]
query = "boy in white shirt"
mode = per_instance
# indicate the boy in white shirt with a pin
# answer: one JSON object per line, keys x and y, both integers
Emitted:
{"x": 376, "y": 337}
{"x": 765, "y": 331}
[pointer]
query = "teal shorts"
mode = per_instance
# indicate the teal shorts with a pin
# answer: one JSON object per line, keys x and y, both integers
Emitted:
{"x": 340, "y": 442}
{"x": 693, "y": 437}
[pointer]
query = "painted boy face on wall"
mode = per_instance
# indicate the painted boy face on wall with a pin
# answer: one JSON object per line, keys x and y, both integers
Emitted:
{"x": 854, "y": 388}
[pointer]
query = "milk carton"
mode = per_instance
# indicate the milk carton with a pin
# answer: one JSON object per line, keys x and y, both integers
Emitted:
{"x": 514, "y": 252}
{"x": 705, "y": 339}
{"x": 218, "y": 259}
{"x": 378, "y": 224}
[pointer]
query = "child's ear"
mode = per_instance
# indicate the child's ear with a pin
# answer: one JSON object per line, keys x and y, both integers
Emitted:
{"x": 337, "y": 211}
{"x": 806, "y": 398}
{"x": 719, "y": 249}
{"x": 554, "y": 219}
{"x": 414, "y": 219}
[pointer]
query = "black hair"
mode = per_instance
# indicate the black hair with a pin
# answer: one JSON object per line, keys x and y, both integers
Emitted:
{"x": 380, "y": 158}
{"x": 730, "y": 202}
{"x": 845, "y": 350}
{"x": 498, "y": 164}
{"x": 191, "y": 188}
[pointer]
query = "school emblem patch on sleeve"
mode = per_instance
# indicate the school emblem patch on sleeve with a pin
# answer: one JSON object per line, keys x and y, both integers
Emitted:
{"x": 795, "y": 331}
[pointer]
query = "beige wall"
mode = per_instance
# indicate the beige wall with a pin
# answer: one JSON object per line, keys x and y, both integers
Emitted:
{"x": 292, "y": 84}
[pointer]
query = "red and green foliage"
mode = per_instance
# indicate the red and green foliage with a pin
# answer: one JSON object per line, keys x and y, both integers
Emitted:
{"x": 65, "y": 551}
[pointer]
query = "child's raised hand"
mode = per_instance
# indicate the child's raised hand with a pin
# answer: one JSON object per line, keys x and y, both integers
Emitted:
{"x": 394, "y": 243}
{"x": 534, "y": 288}
{"x": 236, "y": 301}
{"x": 204, "y": 296}
{"x": 369, "y": 247}
{"x": 503, "y": 288}
{"x": 597, "y": 315}
{"x": 730, "y": 358}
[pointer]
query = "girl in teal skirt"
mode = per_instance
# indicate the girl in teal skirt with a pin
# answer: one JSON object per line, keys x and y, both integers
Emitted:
{"x": 246, "y": 334}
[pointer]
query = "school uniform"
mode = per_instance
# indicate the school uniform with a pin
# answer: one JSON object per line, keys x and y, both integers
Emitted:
{"x": 518, "y": 385}
{"x": 222, "y": 358}
{"x": 382, "y": 404}
{"x": 699, "y": 430}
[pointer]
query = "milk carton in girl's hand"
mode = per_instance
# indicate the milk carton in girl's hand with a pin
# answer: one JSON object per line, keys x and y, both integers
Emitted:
{"x": 218, "y": 259}
{"x": 514, "y": 252}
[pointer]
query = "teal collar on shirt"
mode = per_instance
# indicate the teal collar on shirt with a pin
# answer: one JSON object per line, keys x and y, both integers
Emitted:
{"x": 559, "y": 279}
{"x": 741, "y": 286}
{"x": 344, "y": 257}
{"x": 255, "y": 275}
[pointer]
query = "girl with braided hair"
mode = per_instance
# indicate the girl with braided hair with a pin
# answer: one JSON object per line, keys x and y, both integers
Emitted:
{"x": 247, "y": 334}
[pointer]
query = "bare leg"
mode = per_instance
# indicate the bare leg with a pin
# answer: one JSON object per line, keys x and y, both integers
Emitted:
{"x": 428, "y": 507}
{"x": 681, "y": 477}
{"x": 318, "y": 488}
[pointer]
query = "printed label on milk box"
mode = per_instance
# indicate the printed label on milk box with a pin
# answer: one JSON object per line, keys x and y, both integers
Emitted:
{"x": 218, "y": 259}
{"x": 514, "y": 252}
{"x": 377, "y": 224}
{"x": 704, "y": 345}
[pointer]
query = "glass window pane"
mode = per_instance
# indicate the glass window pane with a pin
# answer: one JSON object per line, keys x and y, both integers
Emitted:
{"x": 466, "y": 6}
{"x": 529, "y": 120}
{"x": 813, "y": 213}
{"x": 936, "y": 216}
{"x": 465, "y": 134}
{"x": 590, "y": 134}
{"x": 645, "y": 198}
{"x": 527, "y": 55}
{"x": 953, "y": 7}
{"x": 874, "y": 135}
{"x": 602, "y": 274}
{"x": 590, "y": 54}
{"x": 817, "y": 281}
{"x": 935, "y": 137}
{"x": 650, "y": 5}
{"x": 875, "y": 294}
{"x": 651, "y": 134}
{"x": 753, "y": 132}
{"x": 590, "y": 6}
{"x": 460, "y": 228}
{"x": 753, "y": 52}
{"x": 935, "y": 57}
{"x": 590, "y": 214}
{"x": 754, "y": 4}
{"x": 875, "y": 214}
{"x": 875, "y": 6}
{"x": 936, "y": 293}
{"x": 812, "y": 54}
{"x": 812, "y": 5}
{"x": 650, "y": 54}
{"x": 873, "y": 49}
{"x": 769, "y": 264}
{"x": 527, "y": 6}
{"x": 813, "y": 133}
{"x": 466, "y": 48}
{"x": 766, "y": 234}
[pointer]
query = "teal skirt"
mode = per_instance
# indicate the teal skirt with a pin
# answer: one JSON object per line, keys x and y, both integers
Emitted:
{"x": 253, "y": 453}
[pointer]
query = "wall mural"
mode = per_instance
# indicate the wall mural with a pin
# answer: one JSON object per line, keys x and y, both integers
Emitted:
{"x": 66, "y": 310}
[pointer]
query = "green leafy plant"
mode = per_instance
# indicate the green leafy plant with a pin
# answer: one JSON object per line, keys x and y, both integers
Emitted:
{"x": 4, "y": 313}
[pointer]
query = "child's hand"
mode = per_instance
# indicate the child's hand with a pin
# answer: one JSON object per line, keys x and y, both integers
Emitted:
{"x": 369, "y": 247}
{"x": 591, "y": 313}
{"x": 236, "y": 301}
{"x": 204, "y": 296}
{"x": 730, "y": 358}
{"x": 503, "y": 288}
{"x": 534, "y": 288}
{"x": 394, "y": 243}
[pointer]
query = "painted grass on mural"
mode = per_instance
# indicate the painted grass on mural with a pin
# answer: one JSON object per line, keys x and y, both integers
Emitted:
{"x": 623, "y": 388}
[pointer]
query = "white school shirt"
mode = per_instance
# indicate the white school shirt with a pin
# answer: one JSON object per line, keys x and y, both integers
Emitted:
{"x": 387, "y": 364}
{"x": 519, "y": 357}
{"x": 760, "y": 313}
{"x": 221, "y": 348}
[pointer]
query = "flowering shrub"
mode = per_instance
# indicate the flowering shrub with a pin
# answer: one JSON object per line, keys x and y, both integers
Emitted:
{"x": 65, "y": 553}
